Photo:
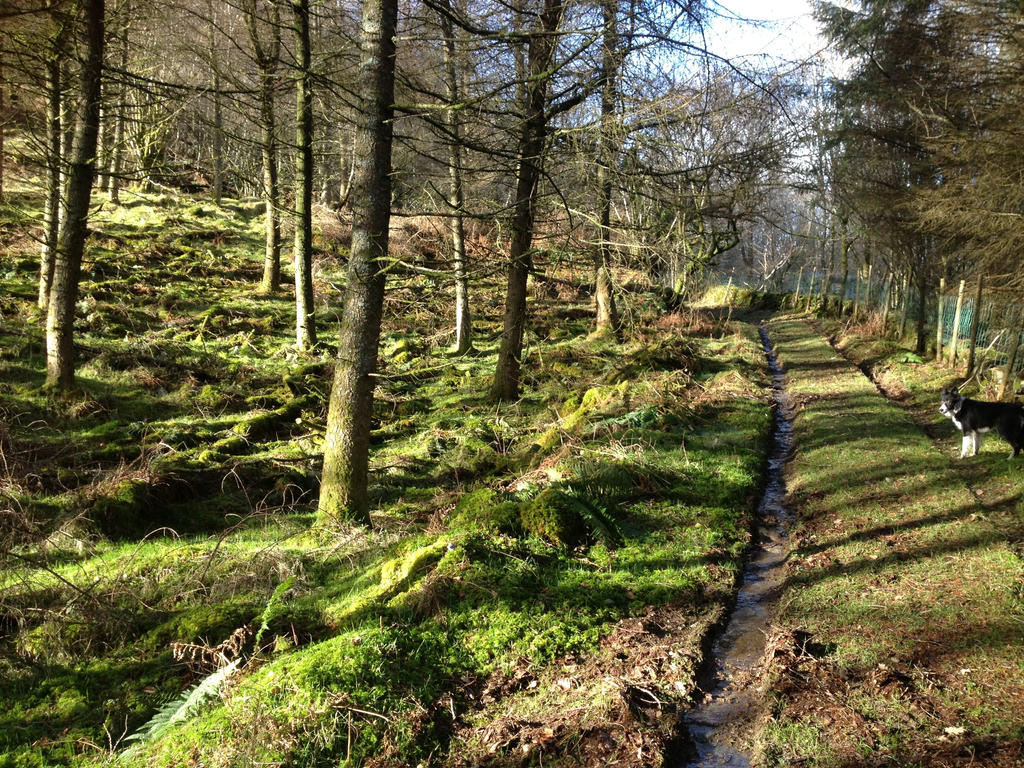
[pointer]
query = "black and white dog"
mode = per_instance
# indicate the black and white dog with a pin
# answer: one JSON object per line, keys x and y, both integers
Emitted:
{"x": 976, "y": 417}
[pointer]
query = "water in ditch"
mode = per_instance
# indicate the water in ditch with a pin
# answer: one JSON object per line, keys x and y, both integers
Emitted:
{"x": 729, "y": 697}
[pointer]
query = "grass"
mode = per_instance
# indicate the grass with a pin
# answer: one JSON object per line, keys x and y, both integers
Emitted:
{"x": 160, "y": 515}
{"x": 906, "y": 567}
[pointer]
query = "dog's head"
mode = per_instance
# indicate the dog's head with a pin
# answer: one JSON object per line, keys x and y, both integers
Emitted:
{"x": 951, "y": 400}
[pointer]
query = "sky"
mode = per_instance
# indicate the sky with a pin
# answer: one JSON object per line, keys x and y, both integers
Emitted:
{"x": 788, "y": 31}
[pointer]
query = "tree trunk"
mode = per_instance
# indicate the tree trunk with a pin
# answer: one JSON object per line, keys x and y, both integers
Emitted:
{"x": 954, "y": 342}
{"x": 922, "y": 291}
{"x": 217, "y": 182}
{"x": 856, "y": 295}
{"x": 844, "y": 251}
{"x": 64, "y": 290}
{"x": 826, "y": 279}
{"x": 3, "y": 122}
{"x": 887, "y": 300}
{"x": 114, "y": 182}
{"x": 905, "y": 305}
{"x": 975, "y": 322}
{"x": 607, "y": 319}
{"x": 271, "y": 193}
{"x": 67, "y": 128}
{"x": 346, "y": 165}
{"x": 102, "y": 182}
{"x": 54, "y": 161}
{"x": 305, "y": 322}
{"x": 456, "y": 201}
{"x": 506, "y": 375}
{"x": 343, "y": 489}
{"x": 531, "y": 148}
{"x": 267, "y": 54}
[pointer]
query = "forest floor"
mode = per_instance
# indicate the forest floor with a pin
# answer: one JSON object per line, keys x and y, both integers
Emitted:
{"x": 542, "y": 578}
{"x": 900, "y": 634}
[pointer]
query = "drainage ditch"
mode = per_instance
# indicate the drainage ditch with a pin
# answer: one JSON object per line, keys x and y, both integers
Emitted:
{"x": 730, "y": 697}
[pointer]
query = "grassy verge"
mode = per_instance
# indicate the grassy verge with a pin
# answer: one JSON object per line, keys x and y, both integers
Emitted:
{"x": 538, "y": 580}
{"x": 904, "y": 598}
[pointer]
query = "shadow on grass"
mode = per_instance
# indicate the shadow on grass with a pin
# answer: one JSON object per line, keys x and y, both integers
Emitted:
{"x": 896, "y": 557}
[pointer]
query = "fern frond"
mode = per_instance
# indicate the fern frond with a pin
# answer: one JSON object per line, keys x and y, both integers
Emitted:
{"x": 601, "y": 523}
{"x": 183, "y": 707}
{"x": 271, "y": 611}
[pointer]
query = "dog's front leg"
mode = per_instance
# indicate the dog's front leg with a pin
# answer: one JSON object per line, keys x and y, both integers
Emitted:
{"x": 966, "y": 444}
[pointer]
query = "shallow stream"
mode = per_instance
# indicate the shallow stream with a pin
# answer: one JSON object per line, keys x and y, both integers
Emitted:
{"x": 730, "y": 695}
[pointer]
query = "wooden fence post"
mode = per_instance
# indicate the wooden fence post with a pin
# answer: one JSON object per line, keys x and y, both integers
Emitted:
{"x": 1018, "y": 329}
{"x": 975, "y": 318}
{"x": 938, "y": 322}
{"x": 955, "y": 339}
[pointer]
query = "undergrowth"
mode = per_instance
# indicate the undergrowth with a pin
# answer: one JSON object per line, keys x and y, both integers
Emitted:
{"x": 157, "y": 522}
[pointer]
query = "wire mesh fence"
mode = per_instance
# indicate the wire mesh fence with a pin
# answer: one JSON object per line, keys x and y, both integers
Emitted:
{"x": 994, "y": 323}
{"x": 958, "y": 321}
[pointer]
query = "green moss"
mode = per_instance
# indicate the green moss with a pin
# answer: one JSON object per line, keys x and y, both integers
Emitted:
{"x": 202, "y": 623}
{"x": 394, "y": 576}
{"x": 573, "y": 420}
{"x": 472, "y": 456}
{"x": 230, "y": 446}
{"x": 309, "y": 379}
{"x": 268, "y": 424}
{"x": 55, "y": 640}
{"x": 486, "y": 511}
{"x": 121, "y": 513}
{"x": 295, "y": 703}
{"x": 211, "y": 397}
{"x": 554, "y": 516}
{"x": 403, "y": 351}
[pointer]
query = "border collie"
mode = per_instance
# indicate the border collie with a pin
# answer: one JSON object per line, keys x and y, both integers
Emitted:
{"x": 976, "y": 417}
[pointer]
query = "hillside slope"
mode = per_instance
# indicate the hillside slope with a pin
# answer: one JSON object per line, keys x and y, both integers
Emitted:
{"x": 539, "y": 579}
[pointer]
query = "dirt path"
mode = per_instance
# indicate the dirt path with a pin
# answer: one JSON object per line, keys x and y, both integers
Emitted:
{"x": 901, "y": 629}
